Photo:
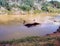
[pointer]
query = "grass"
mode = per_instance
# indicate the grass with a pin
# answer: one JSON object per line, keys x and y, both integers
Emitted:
{"x": 33, "y": 41}
{"x": 54, "y": 10}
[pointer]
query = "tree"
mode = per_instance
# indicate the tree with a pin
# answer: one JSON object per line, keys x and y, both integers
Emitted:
{"x": 5, "y": 4}
{"x": 25, "y": 7}
{"x": 28, "y": 2}
{"x": 55, "y": 3}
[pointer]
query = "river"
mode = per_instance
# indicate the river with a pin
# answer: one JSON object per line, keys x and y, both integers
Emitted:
{"x": 16, "y": 31}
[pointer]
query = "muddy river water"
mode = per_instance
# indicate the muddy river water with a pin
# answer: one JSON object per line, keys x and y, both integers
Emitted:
{"x": 17, "y": 31}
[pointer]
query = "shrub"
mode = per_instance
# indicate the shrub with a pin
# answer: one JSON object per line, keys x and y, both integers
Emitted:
{"x": 55, "y": 3}
{"x": 37, "y": 11}
{"x": 5, "y": 4}
{"x": 49, "y": 44}
{"x": 44, "y": 8}
{"x": 29, "y": 2}
{"x": 25, "y": 7}
{"x": 58, "y": 38}
{"x": 36, "y": 44}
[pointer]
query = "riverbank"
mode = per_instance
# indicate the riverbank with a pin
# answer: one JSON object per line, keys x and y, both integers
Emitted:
{"x": 47, "y": 40}
{"x": 28, "y": 18}
{"x": 33, "y": 41}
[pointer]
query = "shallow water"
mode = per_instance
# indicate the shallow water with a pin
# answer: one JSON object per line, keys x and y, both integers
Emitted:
{"x": 17, "y": 31}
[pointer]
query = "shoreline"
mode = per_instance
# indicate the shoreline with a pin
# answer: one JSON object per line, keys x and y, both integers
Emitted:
{"x": 10, "y": 19}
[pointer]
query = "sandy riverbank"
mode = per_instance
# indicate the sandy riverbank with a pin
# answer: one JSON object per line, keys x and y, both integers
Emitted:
{"x": 9, "y": 19}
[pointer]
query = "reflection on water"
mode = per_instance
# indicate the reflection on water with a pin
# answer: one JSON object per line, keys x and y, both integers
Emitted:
{"x": 18, "y": 31}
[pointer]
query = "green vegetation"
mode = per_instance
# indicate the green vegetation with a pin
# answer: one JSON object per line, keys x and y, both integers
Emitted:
{"x": 29, "y": 2}
{"x": 37, "y": 11}
{"x": 44, "y": 8}
{"x": 58, "y": 39}
{"x": 55, "y": 4}
{"x": 34, "y": 41}
{"x": 52, "y": 6}
{"x": 50, "y": 44}
{"x": 27, "y": 5}
{"x": 5, "y": 4}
